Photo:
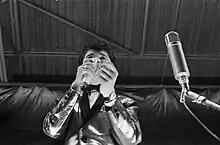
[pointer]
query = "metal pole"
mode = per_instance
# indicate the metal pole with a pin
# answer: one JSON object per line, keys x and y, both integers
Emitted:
{"x": 3, "y": 72}
{"x": 147, "y": 4}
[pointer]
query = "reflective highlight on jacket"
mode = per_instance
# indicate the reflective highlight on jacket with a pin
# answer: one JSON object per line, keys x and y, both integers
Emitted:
{"x": 118, "y": 125}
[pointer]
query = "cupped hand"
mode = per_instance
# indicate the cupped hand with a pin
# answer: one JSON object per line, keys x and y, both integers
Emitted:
{"x": 108, "y": 76}
{"x": 84, "y": 74}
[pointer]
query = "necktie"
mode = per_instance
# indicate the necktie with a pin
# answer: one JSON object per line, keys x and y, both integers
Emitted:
{"x": 84, "y": 105}
{"x": 90, "y": 88}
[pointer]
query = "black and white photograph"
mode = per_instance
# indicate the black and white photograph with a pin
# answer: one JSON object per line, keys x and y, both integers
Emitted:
{"x": 109, "y": 72}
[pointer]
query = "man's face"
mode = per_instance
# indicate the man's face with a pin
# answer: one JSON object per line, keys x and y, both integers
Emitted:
{"x": 102, "y": 55}
{"x": 94, "y": 59}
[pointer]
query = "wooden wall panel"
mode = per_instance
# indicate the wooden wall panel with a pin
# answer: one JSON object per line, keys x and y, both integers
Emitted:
{"x": 27, "y": 63}
{"x": 62, "y": 26}
{"x": 11, "y": 66}
{"x": 121, "y": 22}
{"x": 47, "y": 27}
{"x": 23, "y": 24}
{"x": 140, "y": 70}
{"x": 69, "y": 29}
{"x": 161, "y": 16}
{"x": 5, "y": 26}
{"x": 33, "y": 29}
{"x": 54, "y": 26}
{"x": 117, "y": 21}
{"x": 196, "y": 22}
{"x": 191, "y": 26}
{"x": 206, "y": 35}
{"x": 137, "y": 25}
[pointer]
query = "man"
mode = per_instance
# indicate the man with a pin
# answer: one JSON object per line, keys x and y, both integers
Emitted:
{"x": 91, "y": 112}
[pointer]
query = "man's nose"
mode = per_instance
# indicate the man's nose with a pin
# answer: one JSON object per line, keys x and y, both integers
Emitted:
{"x": 96, "y": 60}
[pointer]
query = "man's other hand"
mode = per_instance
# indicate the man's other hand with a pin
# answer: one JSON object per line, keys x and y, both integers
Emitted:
{"x": 108, "y": 76}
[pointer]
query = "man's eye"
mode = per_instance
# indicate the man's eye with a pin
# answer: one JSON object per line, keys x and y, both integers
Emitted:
{"x": 102, "y": 58}
{"x": 89, "y": 56}
{"x": 88, "y": 60}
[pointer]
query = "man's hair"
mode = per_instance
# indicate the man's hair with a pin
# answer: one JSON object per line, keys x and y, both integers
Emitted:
{"x": 97, "y": 46}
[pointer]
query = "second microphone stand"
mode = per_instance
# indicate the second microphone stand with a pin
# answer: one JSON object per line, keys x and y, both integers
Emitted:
{"x": 184, "y": 82}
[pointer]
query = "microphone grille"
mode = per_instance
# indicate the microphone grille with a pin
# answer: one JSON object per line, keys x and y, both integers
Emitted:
{"x": 171, "y": 37}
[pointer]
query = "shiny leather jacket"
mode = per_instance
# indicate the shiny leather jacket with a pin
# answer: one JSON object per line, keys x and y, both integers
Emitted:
{"x": 118, "y": 125}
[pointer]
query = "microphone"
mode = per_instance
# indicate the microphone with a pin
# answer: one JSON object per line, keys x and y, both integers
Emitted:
{"x": 177, "y": 58}
{"x": 181, "y": 71}
{"x": 95, "y": 65}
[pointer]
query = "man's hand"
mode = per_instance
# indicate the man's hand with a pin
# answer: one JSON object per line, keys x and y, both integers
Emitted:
{"x": 108, "y": 76}
{"x": 74, "y": 140}
{"x": 84, "y": 74}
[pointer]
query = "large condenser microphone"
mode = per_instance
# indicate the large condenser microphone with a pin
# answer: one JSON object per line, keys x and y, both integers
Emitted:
{"x": 177, "y": 57}
{"x": 181, "y": 73}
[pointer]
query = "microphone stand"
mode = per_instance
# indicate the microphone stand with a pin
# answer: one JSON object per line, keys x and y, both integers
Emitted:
{"x": 184, "y": 82}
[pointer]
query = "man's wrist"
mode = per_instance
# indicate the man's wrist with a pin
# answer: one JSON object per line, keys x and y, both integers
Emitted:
{"x": 76, "y": 88}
